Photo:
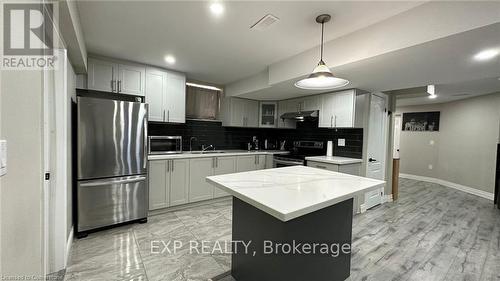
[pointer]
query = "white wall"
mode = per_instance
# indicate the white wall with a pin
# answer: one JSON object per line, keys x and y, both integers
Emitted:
{"x": 71, "y": 90}
{"x": 464, "y": 149}
{"x": 21, "y": 192}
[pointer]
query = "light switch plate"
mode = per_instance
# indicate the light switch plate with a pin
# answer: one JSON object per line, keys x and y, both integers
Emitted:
{"x": 3, "y": 157}
{"x": 341, "y": 142}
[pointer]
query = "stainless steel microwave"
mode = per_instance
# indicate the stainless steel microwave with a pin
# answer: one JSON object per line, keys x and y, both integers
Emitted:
{"x": 165, "y": 144}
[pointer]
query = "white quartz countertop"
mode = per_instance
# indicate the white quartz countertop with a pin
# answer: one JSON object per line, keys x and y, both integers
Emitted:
{"x": 334, "y": 160}
{"x": 221, "y": 153}
{"x": 290, "y": 192}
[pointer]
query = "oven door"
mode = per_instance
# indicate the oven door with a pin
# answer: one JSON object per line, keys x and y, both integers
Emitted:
{"x": 279, "y": 162}
{"x": 165, "y": 144}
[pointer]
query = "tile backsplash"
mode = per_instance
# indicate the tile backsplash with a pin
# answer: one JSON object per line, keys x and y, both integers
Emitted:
{"x": 209, "y": 132}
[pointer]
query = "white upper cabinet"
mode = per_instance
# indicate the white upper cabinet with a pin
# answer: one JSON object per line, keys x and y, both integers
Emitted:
{"x": 166, "y": 96}
{"x": 111, "y": 76}
{"x": 337, "y": 109}
{"x": 176, "y": 97}
{"x": 101, "y": 75}
{"x": 155, "y": 97}
{"x": 311, "y": 103}
{"x": 239, "y": 112}
{"x": 131, "y": 79}
{"x": 252, "y": 113}
{"x": 283, "y": 107}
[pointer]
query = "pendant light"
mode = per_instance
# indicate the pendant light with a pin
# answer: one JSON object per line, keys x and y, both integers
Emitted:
{"x": 321, "y": 78}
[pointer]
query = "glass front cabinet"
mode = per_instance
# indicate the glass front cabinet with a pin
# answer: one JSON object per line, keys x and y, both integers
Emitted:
{"x": 268, "y": 117}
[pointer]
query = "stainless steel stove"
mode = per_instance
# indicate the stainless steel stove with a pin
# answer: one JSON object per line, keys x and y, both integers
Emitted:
{"x": 300, "y": 150}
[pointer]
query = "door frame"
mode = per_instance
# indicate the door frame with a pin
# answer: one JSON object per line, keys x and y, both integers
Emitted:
{"x": 55, "y": 155}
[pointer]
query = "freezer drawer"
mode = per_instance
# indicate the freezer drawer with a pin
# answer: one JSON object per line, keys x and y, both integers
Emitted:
{"x": 105, "y": 202}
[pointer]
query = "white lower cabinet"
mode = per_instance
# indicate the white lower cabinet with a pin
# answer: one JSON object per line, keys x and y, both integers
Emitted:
{"x": 168, "y": 183}
{"x": 250, "y": 163}
{"x": 223, "y": 165}
{"x": 179, "y": 180}
{"x": 199, "y": 188}
{"x": 159, "y": 181}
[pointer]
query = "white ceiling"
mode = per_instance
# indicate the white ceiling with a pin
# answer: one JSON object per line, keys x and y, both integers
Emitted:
{"x": 448, "y": 92}
{"x": 446, "y": 61}
{"x": 220, "y": 50}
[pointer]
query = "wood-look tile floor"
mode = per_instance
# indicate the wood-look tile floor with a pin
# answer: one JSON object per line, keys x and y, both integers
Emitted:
{"x": 430, "y": 233}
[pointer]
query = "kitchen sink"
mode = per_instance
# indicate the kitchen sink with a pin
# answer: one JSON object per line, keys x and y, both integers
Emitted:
{"x": 207, "y": 152}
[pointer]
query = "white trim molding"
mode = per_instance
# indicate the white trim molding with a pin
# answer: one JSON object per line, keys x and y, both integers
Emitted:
{"x": 69, "y": 243}
{"x": 467, "y": 189}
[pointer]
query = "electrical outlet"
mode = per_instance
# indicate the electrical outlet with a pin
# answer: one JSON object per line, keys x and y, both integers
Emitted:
{"x": 3, "y": 157}
{"x": 430, "y": 167}
{"x": 341, "y": 142}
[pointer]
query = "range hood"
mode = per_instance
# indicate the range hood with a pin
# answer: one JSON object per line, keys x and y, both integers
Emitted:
{"x": 300, "y": 115}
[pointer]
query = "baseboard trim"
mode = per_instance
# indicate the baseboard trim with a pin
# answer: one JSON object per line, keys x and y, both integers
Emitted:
{"x": 467, "y": 189}
{"x": 69, "y": 243}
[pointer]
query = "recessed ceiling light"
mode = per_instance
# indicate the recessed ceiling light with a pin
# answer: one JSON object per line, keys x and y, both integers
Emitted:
{"x": 217, "y": 8}
{"x": 487, "y": 54}
{"x": 170, "y": 59}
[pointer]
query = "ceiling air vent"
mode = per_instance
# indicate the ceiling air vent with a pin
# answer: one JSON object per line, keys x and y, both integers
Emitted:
{"x": 265, "y": 22}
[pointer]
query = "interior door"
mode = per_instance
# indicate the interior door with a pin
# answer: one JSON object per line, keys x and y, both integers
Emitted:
{"x": 376, "y": 147}
{"x": 176, "y": 98}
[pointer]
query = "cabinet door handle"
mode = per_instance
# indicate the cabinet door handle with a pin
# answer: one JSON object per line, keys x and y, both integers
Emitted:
{"x": 216, "y": 162}
{"x": 168, "y": 165}
{"x": 164, "y": 115}
{"x": 168, "y": 115}
{"x": 113, "y": 85}
{"x": 119, "y": 86}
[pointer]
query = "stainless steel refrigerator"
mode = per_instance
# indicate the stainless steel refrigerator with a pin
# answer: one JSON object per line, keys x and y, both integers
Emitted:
{"x": 112, "y": 185}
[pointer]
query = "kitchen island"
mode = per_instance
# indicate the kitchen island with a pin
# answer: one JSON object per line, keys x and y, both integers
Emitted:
{"x": 275, "y": 210}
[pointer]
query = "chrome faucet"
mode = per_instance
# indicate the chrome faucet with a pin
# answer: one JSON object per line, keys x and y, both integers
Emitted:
{"x": 191, "y": 143}
{"x": 203, "y": 148}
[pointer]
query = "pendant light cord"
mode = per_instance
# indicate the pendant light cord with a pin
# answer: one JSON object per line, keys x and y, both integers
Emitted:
{"x": 322, "y": 30}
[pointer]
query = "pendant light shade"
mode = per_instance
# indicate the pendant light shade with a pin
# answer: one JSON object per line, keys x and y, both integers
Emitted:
{"x": 321, "y": 78}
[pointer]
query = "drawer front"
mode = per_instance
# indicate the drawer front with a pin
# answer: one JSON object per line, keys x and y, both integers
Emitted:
{"x": 111, "y": 201}
{"x": 325, "y": 166}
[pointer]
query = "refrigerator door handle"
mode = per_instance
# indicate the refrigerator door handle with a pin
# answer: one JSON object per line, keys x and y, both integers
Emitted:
{"x": 145, "y": 143}
{"x": 109, "y": 182}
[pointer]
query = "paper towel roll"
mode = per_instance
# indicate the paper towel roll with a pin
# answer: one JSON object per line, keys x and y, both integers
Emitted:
{"x": 329, "y": 148}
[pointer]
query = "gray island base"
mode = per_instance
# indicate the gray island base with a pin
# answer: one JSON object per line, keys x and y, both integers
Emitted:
{"x": 275, "y": 210}
{"x": 330, "y": 226}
